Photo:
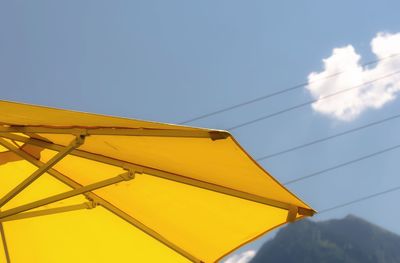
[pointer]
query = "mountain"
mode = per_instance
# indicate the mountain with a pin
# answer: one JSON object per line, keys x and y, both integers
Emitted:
{"x": 348, "y": 240}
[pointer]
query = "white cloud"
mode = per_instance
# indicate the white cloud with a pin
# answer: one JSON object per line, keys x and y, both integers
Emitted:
{"x": 243, "y": 257}
{"x": 349, "y": 105}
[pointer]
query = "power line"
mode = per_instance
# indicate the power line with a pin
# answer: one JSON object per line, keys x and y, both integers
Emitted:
{"x": 343, "y": 164}
{"x": 276, "y": 93}
{"x": 359, "y": 199}
{"x": 368, "y": 125}
{"x": 310, "y": 102}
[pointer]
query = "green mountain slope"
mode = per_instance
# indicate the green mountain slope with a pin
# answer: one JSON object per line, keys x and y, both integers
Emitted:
{"x": 348, "y": 240}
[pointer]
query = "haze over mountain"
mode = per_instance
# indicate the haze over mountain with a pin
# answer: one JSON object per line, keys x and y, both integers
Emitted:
{"x": 347, "y": 240}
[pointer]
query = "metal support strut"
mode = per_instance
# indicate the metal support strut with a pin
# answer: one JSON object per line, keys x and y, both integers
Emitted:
{"x": 55, "y": 198}
{"x": 50, "y": 211}
{"x": 79, "y": 140}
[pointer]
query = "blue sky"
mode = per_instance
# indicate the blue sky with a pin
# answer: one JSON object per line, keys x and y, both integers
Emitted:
{"x": 170, "y": 61}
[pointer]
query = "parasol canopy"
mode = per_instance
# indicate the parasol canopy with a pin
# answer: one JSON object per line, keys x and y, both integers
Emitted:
{"x": 80, "y": 187}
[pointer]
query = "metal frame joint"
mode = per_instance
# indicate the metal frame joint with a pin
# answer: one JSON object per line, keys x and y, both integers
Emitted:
{"x": 80, "y": 139}
{"x": 292, "y": 214}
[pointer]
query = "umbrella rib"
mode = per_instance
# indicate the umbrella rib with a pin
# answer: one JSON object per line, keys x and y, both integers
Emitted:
{"x": 212, "y": 134}
{"x": 111, "y": 208}
{"x": 167, "y": 175}
{"x": 41, "y": 170}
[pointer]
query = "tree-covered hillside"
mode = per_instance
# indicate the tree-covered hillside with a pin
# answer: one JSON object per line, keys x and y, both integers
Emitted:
{"x": 348, "y": 240}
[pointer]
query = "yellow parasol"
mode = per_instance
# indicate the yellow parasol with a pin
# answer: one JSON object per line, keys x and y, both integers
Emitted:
{"x": 80, "y": 187}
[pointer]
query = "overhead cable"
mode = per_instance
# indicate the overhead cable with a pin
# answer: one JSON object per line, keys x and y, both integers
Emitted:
{"x": 361, "y": 199}
{"x": 343, "y": 164}
{"x": 279, "y": 92}
{"x": 310, "y": 102}
{"x": 368, "y": 125}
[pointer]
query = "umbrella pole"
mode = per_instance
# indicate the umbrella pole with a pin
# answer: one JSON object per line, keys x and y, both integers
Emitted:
{"x": 3, "y": 238}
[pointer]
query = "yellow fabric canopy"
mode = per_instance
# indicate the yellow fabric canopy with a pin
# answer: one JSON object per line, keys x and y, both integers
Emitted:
{"x": 80, "y": 187}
